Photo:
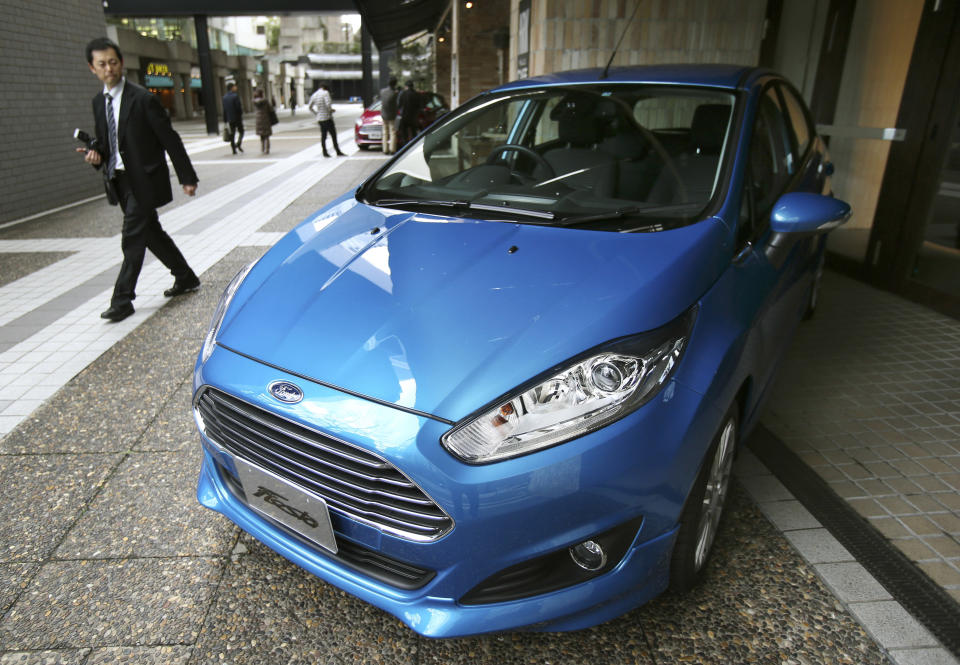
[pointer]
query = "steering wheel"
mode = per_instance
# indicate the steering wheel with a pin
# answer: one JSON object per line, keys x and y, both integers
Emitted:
{"x": 532, "y": 154}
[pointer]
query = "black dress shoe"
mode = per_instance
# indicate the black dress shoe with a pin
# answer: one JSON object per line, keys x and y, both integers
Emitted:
{"x": 179, "y": 288}
{"x": 340, "y": 154}
{"x": 117, "y": 313}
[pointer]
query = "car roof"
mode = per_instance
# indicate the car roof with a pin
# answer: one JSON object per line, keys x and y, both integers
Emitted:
{"x": 716, "y": 76}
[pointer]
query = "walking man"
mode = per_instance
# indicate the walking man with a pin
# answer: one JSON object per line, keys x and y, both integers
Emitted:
{"x": 388, "y": 113}
{"x": 408, "y": 108}
{"x": 133, "y": 132}
{"x": 321, "y": 104}
{"x": 233, "y": 116}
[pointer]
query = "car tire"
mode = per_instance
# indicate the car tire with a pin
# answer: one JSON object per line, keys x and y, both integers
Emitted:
{"x": 363, "y": 146}
{"x": 700, "y": 519}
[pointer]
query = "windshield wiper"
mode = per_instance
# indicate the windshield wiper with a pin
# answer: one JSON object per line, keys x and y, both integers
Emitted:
{"x": 465, "y": 205}
{"x": 624, "y": 212}
{"x": 526, "y": 212}
{"x": 389, "y": 203}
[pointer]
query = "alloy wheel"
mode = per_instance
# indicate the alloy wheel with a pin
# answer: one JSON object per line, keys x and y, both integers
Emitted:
{"x": 715, "y": 493}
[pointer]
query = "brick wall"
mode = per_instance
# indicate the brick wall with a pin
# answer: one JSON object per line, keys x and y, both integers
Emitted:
{"x": 46, "y": 93}
{"x": 441, "y": 64}
{"x": 477, "y": 52}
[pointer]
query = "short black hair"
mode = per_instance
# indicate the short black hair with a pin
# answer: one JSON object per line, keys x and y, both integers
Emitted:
{"x": 392, "y": 81}
{"x": 101, "y": 44}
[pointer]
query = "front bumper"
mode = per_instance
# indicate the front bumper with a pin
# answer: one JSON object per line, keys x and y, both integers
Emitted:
{"x": 503, "y": 514}
{"x": 363, "y": 136}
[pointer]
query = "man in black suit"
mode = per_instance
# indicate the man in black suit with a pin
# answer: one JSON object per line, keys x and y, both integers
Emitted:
{"x": 233, "y": 116}
{"x": 130, "y": 151}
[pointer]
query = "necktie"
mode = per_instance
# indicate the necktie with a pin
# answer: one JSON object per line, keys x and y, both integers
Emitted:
{"x": 112, "y": 131}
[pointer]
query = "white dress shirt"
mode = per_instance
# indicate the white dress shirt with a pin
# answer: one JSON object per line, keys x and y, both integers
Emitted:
{"x": 116, "y": 92}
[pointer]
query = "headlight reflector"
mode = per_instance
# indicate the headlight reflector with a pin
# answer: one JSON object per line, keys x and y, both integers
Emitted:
{"x": 587, "y": 395}
{"x": 221, "y": 311}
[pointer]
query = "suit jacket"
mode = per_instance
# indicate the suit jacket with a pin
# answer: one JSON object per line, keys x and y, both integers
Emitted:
{"x": 144, "y": 134}
{"x": 232, "y": 109}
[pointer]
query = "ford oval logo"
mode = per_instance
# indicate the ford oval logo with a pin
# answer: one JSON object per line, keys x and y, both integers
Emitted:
{"x": 285, "y": 392}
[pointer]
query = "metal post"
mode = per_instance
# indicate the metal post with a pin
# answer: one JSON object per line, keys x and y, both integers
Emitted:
{"x": 206, "y": 75}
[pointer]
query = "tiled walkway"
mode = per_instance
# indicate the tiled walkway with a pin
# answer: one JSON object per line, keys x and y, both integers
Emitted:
{"x": 49, "y": 324}
{"x": 868, "y": 396}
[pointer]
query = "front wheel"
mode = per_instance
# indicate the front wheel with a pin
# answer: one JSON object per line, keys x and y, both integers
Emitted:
{"x": 700, "y": 519}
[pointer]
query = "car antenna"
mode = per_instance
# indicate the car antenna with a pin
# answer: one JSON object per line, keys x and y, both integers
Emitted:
{"x": 606, "y": 70}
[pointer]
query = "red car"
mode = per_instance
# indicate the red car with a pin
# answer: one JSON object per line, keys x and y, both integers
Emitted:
{"x": 368, "y": 130}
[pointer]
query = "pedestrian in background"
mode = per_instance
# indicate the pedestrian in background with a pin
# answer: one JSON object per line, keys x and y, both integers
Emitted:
{"x": 133, "y": 133}
{"x": 233, "y": 116}
{"x": 264, "y": 126}
{"x": 321, "y": 104}
{"x": 408, "y": 109}
{"x": 293, "y": 100}
{"x": 388, "y": 114}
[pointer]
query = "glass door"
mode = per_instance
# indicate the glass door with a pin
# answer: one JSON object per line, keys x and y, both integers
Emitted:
{"x": 938, "y": 258}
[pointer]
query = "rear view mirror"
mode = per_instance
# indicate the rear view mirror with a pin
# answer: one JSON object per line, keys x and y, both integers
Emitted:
{"x": 803, "y": 212}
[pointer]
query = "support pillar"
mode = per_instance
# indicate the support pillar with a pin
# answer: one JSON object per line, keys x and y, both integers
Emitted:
{"x": 207, "y": 92}
{"x": 366, "y": 60}
{"x": 180, "y": 90}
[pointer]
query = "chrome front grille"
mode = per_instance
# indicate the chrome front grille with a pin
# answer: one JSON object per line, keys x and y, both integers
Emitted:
{"x": 353, "y": 482}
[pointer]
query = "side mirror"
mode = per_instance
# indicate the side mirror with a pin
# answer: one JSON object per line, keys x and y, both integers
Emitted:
{"x": 803, "y": 212}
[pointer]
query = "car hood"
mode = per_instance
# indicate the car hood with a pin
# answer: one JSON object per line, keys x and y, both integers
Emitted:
{"x": 442, "y": 315}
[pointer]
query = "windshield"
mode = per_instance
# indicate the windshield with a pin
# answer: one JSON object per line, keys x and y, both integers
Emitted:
{"x": 609, "y": 156}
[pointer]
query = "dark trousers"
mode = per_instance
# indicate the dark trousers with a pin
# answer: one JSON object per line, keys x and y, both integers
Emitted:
{"x": 236, "y": 135}
{"x": 406, "y": 130}
{"x": 327, "y": 127}
{"x": 142, "y": 231}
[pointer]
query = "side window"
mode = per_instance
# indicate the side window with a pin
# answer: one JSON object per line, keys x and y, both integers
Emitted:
{"x": 797, "y": 121}
{"x": 768, "y": 167}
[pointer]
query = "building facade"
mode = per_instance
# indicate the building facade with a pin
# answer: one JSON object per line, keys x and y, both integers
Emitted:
{"x": 47, "y": 89}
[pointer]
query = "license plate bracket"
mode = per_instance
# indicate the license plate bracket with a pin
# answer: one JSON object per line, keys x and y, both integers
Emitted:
{"x": 279, "y": 499}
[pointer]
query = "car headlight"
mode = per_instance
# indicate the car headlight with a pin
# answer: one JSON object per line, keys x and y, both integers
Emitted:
{"x": 221, "y": 311}
{"x": 588, "y": 393}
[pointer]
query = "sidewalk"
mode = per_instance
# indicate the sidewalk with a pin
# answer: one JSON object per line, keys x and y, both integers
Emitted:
{"x": 302, "y": 120}
{"x": 106, "y": 556}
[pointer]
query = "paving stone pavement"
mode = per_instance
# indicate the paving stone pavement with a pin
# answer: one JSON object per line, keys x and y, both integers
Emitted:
{"x": 106, "y": 557}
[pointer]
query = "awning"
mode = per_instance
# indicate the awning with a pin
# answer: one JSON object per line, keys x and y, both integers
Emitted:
{"x": 335, "y": 74}
{"x": 390, "y": 21}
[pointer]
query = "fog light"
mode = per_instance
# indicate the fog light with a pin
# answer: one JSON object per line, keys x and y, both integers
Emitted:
{"x": 589, "y": 555}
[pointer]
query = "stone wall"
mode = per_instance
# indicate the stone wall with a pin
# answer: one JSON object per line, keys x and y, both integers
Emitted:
{"x": 47, "y": 89}
{"x": 574, "y": 34}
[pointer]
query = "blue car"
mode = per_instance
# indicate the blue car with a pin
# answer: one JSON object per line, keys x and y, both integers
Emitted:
{"x": 501, "y": 384}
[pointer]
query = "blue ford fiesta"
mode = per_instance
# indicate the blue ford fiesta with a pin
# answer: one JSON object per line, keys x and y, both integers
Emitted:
{"x": 501, "y": 384}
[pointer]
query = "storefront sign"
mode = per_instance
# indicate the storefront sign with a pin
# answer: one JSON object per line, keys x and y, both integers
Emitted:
{"x": 158, "y": 76}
